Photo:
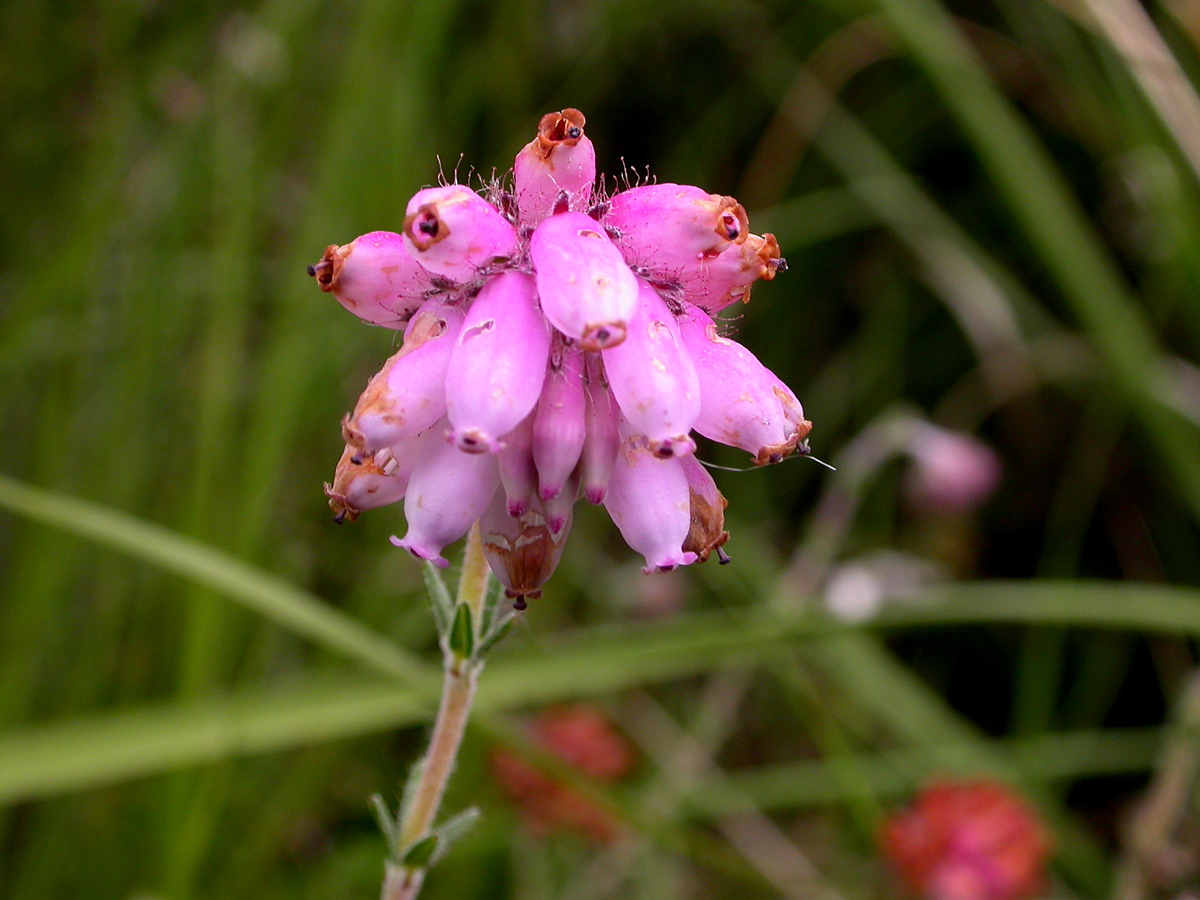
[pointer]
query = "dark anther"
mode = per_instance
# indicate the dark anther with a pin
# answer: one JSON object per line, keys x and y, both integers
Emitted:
{"x": 723, "y": 557}
{"x": 732, "y": 227}
{"x": 340, "y": 517}
{"x": 519, "y": 603}
{"x": 356, "y": 459}
{"x": 574, "y": 132}
{"x": 312, "y": 271}
{"x": 602, "y": 336}
{"x": 781, "y": 265}
{"x": 562, "y": 202}
{"x": 429, "y": 227}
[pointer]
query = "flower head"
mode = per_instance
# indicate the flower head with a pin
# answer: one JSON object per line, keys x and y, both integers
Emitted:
{"x": 972, "y": 840}
{"x": 557, "y": 341}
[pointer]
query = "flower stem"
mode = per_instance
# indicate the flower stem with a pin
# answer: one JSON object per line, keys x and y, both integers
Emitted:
{"x": 403, "y": 882}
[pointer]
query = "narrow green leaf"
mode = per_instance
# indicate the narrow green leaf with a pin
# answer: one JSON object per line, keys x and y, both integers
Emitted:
{"x": 419, "y": 854}
{"x": 499, "y": 630}
{"x": 383, "y": 816}
{"x": 439, "y": 598}
{"x": 409, "y": 791}
{"x": 462, "y": 633}
{"x": 453, "y": 829}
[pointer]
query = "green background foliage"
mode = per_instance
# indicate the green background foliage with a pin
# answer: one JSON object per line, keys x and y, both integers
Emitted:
{"x": 991, "y": 222}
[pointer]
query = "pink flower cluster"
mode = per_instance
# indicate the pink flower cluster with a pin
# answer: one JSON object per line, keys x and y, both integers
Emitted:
{"x": 557, "y": 341}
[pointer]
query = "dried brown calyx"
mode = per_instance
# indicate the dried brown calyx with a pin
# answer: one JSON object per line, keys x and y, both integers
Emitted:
{"x": 707, "y": 531}
{"x": 425, "y": 227}
{"x": 330, "y": 266}
{"x": 559, "y": 128}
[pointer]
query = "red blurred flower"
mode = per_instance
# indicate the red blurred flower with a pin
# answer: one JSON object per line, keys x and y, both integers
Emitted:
{"x": 585, "y": 740}
{"x": 973, "y": 840}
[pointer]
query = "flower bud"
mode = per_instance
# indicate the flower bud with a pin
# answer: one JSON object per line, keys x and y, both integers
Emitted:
{"x": 561, "y": 158}
{"x": 652, "y": 377}
{"x": 742, "y": 403}
{"x": 952, "y": 472}
{"x": 669, "y": 229}
{"x": 707, "y": 512}
{"x": 447, "y": 492}
{"x": 649, "y": 501}
{"x": 375, "y": 278}
{"x": 498, "y": 364}
{"x": 717, "y": 282}
{"x": 409, "y": 393}
{"x": 454, "y": 232}
{"x": 373, "y": 481}
{"x": 559, "y": 426}
{"x": 518, "y": 474}
{"x": 602, "y": 438}
{"x": 587, "y": 291}
{"x": 521, "y": 551}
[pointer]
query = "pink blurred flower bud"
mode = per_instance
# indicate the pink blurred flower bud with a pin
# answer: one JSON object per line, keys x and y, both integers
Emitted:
{"x": 670, "y": 229}
{"x": 447, "y": 492}
{"x": 602, "y": 439}
{"x": 498, "y": 364}
{"x": 409, "y": 393}
{"x": 373, "y": 481}
{"x": 728, "y": 277}
{"x": 952, "y": 472}
{"x": 653, "y": 379}
{"x": 742, "y": 403}
{"x": 649, "y": 500}
{"x": 375, "y": 278}
{"x": 454, "y": 232}
{"x": 560, "y": 426}
{"x": 587, "y": 291}
{"x": 561, "y": 158}
{"x": 521, "y": 551}
{"x": 706, "y": 512}
{"x": 972, "y": 840}
{"x": 518, "y": 474}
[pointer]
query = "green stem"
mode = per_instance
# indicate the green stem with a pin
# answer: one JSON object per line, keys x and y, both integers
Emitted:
{"x": 404, "y": 882}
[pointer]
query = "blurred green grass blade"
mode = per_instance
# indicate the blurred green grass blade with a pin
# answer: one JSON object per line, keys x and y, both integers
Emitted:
{"x": 1057, "y": 227}
{"x": 287, "y": 606}
{"x": 1048, "y": 757}
{"x": 98, "y": 750}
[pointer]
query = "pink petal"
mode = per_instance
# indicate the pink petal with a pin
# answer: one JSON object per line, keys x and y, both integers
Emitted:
{"x": 521, "y": 551}
{"x": 517, "y": 471}
{"x": 375, "y": 278}
{"x": 652, "y": 377}
{"x": 587, "y": 291}
{"x": 559, "y": 426}
{"x": 669, "y": 228}
{"x": 447, "y": 492}
{"x": 602, "y": 438}
{"x": 559, "y": 159}
{"x": 498, "y": 364}
{"x": 742, "y": 403}
{"x": 454, "y": 232}
{"x": 559, "y": 507}
{"x": 409, "y": 393}
{"x": 716, "y": 282}
{"x": 649, "y": 500}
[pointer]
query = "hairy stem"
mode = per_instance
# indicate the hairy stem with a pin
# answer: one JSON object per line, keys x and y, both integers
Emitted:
{"x": 404, "y": 882}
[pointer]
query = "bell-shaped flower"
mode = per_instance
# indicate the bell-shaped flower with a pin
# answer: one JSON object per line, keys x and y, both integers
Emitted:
{"x": 587, "y": 291}
{"x": 669, "y": 229}
{"x": 652, "y": 377}
{"x": 559, "y": 425}
{"x": 560, "y": 159}
{"x": 602, "y": 438}
{"x": 409, "y": 393}
{"x": 521, "y": 551}
{"x": 743, "y": 404}
{"x": 707, "y": 512}
{"x": 374, "y": 277}
{"x": 518, "y": 474}
{"x": 718, "y": 281}
{"x": 454, "y": 232}
{"x": 498, "y": 365}
{"x": 374, "y": 481}
{"x": 649, "y": 501}
{"x": 448, "y": 491}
